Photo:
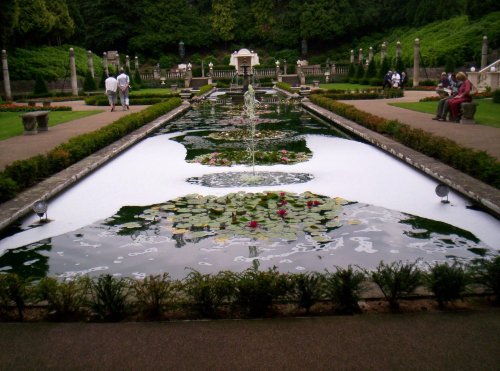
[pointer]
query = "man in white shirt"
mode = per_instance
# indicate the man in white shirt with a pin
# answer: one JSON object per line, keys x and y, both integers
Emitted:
{"x": 123, "y": 86}
{"x": 111, "y": 84}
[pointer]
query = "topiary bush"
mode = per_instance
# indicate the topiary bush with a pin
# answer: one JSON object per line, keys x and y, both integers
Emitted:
{"x": 40, "y": 86}
{"x": 496, "y": 96}
{"x": 89, "y": 82}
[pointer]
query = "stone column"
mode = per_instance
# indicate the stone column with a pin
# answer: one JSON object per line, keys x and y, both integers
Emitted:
{"x": 117, "y": 61}
{"x": 398, "y": 50}
{"x": 72, "y": 67}
{"x": 105, "y": 63}
{"x": 416, "y": 63}
{"x": 484, "y": 53}
{"x": 360, "y": 56}
{"x": 6, "y": 78}
{"x": 136, "y": 62}
{"x": 90, "y": 63}
{"x": 370, "y": 54}
{"x": 352, "y": 56}
{"x": 473, "y": 77}
{"x": 492, "y": 80}
{"x": 127, "y": 62}
{"x": 383, "y": 51}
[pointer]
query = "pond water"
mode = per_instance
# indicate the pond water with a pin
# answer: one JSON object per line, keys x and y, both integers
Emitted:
{"x": 162, "y": 206}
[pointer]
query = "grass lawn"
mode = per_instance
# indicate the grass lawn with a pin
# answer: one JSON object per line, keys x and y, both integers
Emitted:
{"x": 12, "y": 125}
{"x": 164, "y": 91}
{"x": 339, "y": 86}
{"x": 488, "y": 113}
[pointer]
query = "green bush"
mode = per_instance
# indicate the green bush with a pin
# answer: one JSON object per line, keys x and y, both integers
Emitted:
{"x": 14, "y": 290}
{"x": 65, "y": 298}
{"x": 343, "y": 289}
{"x": 108, "y": 297}
{"x": 8, "y": 187}
{"x": 257, "y": 290}
{"x": 209, "y": 292}
{"x": 447, "y": 282}
{"x": 487, "y": 273}
{"x": 204, "y": 89}
{"x": 40, "y": 86}
{"x": 496, "y": 96}
{"x": 153, "y": 294}
{"x": 396, "y": 280}
{"x": 308, "y": 289}
{"x": 284, "y": 86}
{"x": 89, "y": 82}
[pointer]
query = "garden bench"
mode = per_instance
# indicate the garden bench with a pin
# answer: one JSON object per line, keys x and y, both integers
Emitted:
{"x": 34, "y": 122}
{"x": 44, "y": 102}
{"x": 468, "y": 110}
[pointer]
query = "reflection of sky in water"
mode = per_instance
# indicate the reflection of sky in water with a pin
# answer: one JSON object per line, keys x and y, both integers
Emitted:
{"x": 154, "y": 171}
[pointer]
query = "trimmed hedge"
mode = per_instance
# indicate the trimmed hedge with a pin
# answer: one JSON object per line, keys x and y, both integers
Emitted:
{"x": 204, "y": 89}
{"x": 477, "y": 164}
{"x": 25, "y": 173}
{"x": 285, "y": 86}
{"x": 18, "y": 108}
{"x": 358, "y": 95}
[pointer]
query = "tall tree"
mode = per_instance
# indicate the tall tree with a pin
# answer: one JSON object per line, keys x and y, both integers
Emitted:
{"x": 9, "y": 17}
{"x": 63, "y": 26}
{"x": 223, "y": 19}
{"x": 35, "y": 21}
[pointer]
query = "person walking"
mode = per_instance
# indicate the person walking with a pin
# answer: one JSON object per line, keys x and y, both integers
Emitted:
{"x": 123, "y": 86}
{"x": 111, "y": 84}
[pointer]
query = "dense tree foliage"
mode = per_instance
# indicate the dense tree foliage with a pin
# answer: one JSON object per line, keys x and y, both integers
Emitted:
{"x": 154, "y": 28}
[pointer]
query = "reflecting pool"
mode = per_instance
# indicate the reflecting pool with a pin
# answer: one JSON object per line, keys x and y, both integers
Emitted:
{"x": 150, "y": 211}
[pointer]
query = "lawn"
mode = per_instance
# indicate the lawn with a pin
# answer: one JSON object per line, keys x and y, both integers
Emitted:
{"x": 339, "y": 86}
{"x": 488, "y": 113}
{"x": 159, "y": 91}
{"x": 11, "y": 123}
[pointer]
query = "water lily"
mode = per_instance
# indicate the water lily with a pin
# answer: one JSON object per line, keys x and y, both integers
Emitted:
{"x": 253, "y": 224}
{"x": 283, "y": 202}
{"x": 282, "y": 212}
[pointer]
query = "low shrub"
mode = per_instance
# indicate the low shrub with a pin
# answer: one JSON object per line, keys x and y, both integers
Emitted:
{"x": 427, "y": 83}
{"x": 65, "y": 299}
{"x": 153, "y": 294}
{"x": 447, "y": 282}
{"x": 141, "y": 100}
{"x": 308, "y": 289}
{"x": 396, "y": 280}
{"x": 14, "y": 290}
{"x": 108, "y": 297}
{"x": 204, "y": 89}
{"x": 343, "y": 289}
{"x": 209, "y": 292}
{"x": 8, "y": 188}
{"x": 257, "y": 290}
{"x": 496, "y": 96}
{"x": 487, "y": 273}
{"x": 284, "y": 86}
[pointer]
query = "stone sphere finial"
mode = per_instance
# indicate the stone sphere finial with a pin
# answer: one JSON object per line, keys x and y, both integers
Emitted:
{"x": 473, "y": 69}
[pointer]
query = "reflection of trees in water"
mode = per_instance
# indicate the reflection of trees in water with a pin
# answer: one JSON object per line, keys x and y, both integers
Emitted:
{"x": 27, "y": 261}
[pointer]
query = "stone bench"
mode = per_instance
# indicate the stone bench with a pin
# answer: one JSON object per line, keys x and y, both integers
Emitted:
{"x": 44, "y": 102}
{"x": 468, "y": 110}
{"x": 34, "y": 122}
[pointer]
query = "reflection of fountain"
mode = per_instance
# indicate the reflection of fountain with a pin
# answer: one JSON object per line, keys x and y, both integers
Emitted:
{"x": 249, "y": 111}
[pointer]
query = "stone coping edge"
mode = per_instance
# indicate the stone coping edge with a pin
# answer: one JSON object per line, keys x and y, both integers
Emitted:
{"x": 22, "y": 204}
{"x": 485, "y": 195}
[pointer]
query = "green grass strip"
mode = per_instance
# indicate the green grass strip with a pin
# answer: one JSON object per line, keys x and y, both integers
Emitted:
{"x": 11, "y": 123}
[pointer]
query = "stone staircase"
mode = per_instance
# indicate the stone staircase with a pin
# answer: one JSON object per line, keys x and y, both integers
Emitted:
{"x": 488, "y": 76}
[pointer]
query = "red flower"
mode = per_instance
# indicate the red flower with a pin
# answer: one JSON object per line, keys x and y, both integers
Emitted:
{"x": 310, "y": 204}
{"x": 282, "y": 194}
{"x": 253, "y": 224}
{"x": 283, "y": 202}
{"x": 316, "y": 203}
{"x": 282, "y": 212}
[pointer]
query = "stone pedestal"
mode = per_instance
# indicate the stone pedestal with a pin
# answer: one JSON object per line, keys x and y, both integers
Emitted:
{"x": 492, "y": 80}
{"x": 398, "y": 50}
{"x": 360, "y": 56}
{"x": 473, "y": 77}
{"x": 6, "y": 78}
{"x": 136, "y": 63}
{"x": 352, "y": 57}
{"x": 127, "y": 62}
{"x": 370, "y": 54}
{"x": 468, "y": 111}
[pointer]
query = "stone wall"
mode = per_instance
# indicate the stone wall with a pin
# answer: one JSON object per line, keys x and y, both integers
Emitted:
{"x": 25, "y": 87}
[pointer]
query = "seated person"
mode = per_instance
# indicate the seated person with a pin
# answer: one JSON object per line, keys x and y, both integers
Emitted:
{"x": 463, "y": 95}
{"x": 443, "y": 108}
{"x": 387, "y": 80}
{"x": 396, "y": 79}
